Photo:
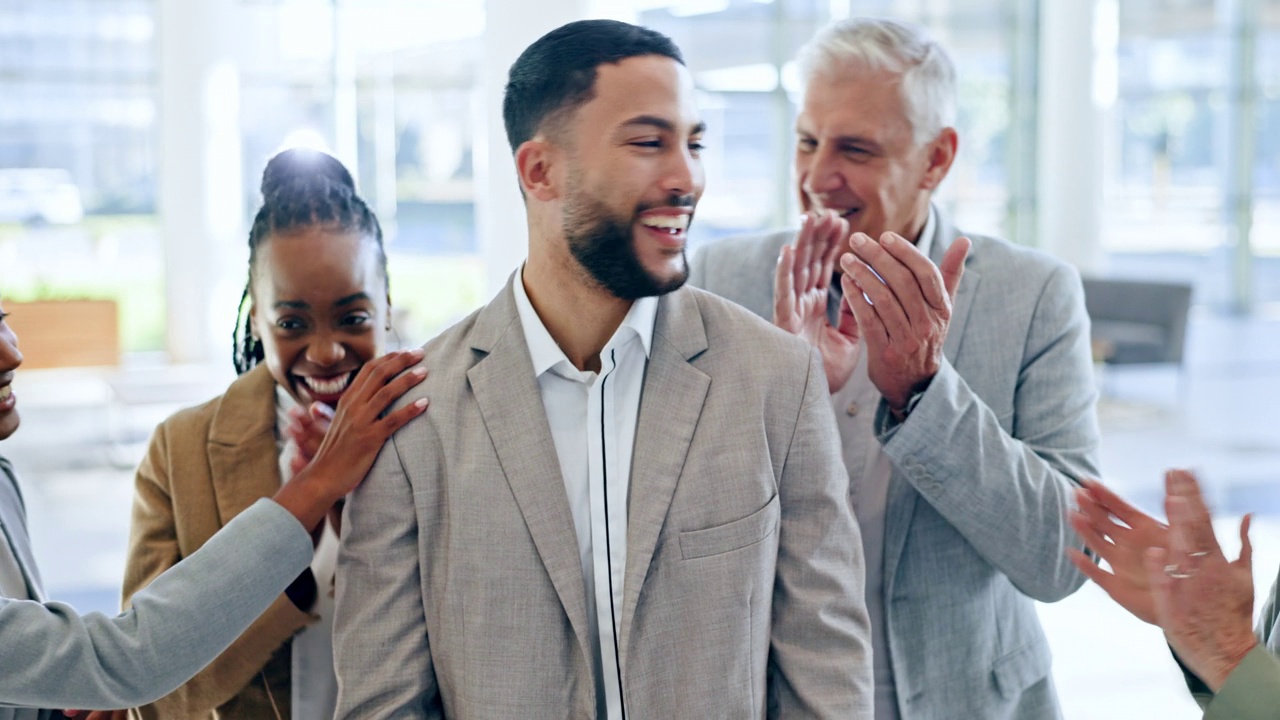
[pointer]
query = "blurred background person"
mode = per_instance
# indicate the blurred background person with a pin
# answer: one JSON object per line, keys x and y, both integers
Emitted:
{"x": 315, "y": 310}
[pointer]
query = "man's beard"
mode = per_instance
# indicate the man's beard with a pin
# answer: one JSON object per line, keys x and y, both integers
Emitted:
{"x": 605, "y": 246}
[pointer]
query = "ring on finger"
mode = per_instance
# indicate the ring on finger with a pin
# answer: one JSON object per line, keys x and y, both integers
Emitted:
{"x": 1178, "y": 573}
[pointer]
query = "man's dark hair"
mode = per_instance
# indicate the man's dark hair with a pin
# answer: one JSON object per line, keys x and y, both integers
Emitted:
{"x": 557, "y": 73}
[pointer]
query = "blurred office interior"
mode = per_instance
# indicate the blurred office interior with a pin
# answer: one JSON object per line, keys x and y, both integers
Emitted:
{"x": 1138, "y": 139}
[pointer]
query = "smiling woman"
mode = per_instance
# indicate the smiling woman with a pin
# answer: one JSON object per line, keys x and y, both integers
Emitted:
{"x": 314, "y": 311}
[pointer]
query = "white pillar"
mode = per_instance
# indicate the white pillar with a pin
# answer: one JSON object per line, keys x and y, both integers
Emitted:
{"x": 1077, "y": 75}
{"x": 200, "y": 192}
{"x": 346, "y": 108}
{"x": 1241, "y": 21}
{"x": 510, "y": 27}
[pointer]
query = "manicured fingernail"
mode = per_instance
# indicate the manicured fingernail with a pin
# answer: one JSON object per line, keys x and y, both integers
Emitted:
{"x": 859, "y": 239}
{"x": 417, "y": 352}
{"x": 421, "y": 402}
{"x": 888, "y": 239}
{"x": 420, "y": 371}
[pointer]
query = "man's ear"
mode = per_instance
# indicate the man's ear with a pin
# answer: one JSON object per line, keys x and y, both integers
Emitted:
{"x": 941, "y": 154}
{"x": 535, "y": 160}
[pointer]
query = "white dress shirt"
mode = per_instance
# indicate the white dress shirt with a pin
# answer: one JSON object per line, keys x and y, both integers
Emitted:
{"x": 869, "y": 472}
{"x": 313, "y": 684}
{"x": 593, "y": 423}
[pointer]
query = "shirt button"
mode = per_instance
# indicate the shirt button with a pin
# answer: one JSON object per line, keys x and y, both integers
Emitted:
{"x": 852, "y": 410}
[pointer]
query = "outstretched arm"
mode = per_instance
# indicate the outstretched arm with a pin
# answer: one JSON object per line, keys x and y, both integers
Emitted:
{"x": 55, "y": 658}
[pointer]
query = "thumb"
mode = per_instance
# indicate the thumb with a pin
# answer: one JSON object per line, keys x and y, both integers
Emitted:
{"x": 848, "y": 322}
{"x": 1246, "y": 547}
{"x": 953, "y": 265}
{"x": 321, "y": 411}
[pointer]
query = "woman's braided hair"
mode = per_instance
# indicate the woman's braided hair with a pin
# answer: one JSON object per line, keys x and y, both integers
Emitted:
{"x": 300, "y": 188}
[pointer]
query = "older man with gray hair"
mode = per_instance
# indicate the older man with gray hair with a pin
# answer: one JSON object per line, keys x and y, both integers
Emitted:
{"x": 959, "y": 369}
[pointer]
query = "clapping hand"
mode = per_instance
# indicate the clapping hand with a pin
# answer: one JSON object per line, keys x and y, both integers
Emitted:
{"x": 801, "y": 286}
{"x": 902, "y": 302}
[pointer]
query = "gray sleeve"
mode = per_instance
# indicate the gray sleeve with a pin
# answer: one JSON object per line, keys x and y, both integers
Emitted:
{"x": 1008, "y": 493}
{"x": 53, "y": 657}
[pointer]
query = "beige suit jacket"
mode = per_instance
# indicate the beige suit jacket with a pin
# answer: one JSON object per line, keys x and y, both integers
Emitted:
{"x": 460, "y": 590}
{"x": 206, "y": 465}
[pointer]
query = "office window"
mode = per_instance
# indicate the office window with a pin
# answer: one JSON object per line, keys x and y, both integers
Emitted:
{"x": 78, "y": 158}
{"x": 742, "y": 52}
{"x": 391, "y": 83}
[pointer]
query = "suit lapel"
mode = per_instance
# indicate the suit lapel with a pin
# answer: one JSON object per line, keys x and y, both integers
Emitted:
{"x": 14, "y": 527}
{"x": 510, "y": 403}
{"x": 944, "y": 235}
{"x": 674, "y": 393}
{"x": 901, "y": 503}
{"x": 243, "y": 458}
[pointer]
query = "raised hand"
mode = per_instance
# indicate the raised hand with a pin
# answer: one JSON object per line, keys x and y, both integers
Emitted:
{"x": 360, "y": 426}
{"x": 902, "y": 303}
{"x": 306, "y": 430}
{"x": 801, "y": 286}
{"x": 1203, "y": 601}
{"x": 1121, "y": 535}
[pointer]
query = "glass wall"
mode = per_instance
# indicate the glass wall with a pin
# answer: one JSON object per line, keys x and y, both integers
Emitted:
{"x": 1265, "y": 238}
{"x": 391, "y": 86}
{"x": 742, "y": 55}
{"x": 396, "y": 102}
{"x": 1193, "y": 162}
{"x": 78, "y": 157}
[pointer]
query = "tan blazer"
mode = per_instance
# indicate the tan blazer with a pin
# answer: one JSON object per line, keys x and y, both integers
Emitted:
{"x": 206, "y": 465}
{"x": 460, "y": 589}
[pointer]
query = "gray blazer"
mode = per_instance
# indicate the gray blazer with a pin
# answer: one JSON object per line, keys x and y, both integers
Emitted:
{"x": 983, "y": 470}
{"x": 460, "y": 590}
{"x": 14, "y": 534}
{"x": 53, "y": 657}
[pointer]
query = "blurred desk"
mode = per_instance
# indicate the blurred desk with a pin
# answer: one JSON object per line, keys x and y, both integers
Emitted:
{"x": 66, "y": 333}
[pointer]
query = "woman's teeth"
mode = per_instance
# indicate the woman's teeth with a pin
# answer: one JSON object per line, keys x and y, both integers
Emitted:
{"x": 328, "y": 386}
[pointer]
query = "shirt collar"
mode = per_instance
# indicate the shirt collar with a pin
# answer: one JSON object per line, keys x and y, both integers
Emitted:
{"x": 546, "y": 354}
{"x": 925, "y": 242}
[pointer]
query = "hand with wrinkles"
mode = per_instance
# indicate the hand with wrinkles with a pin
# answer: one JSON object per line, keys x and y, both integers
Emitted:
{"x": 1173, "y": 576}
{"x": 902, "y": 303}
{"x": 1203, "y": 601}
{"x": 1120, "y": 534}
{"x": 802, "y": 283}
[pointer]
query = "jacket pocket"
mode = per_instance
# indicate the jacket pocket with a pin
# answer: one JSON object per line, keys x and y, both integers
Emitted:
{"x": 732, "y": 535}
{"x": 1016, "y": 671}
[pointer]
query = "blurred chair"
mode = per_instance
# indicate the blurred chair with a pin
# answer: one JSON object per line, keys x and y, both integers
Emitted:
{"x": 1137, "y": 321}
